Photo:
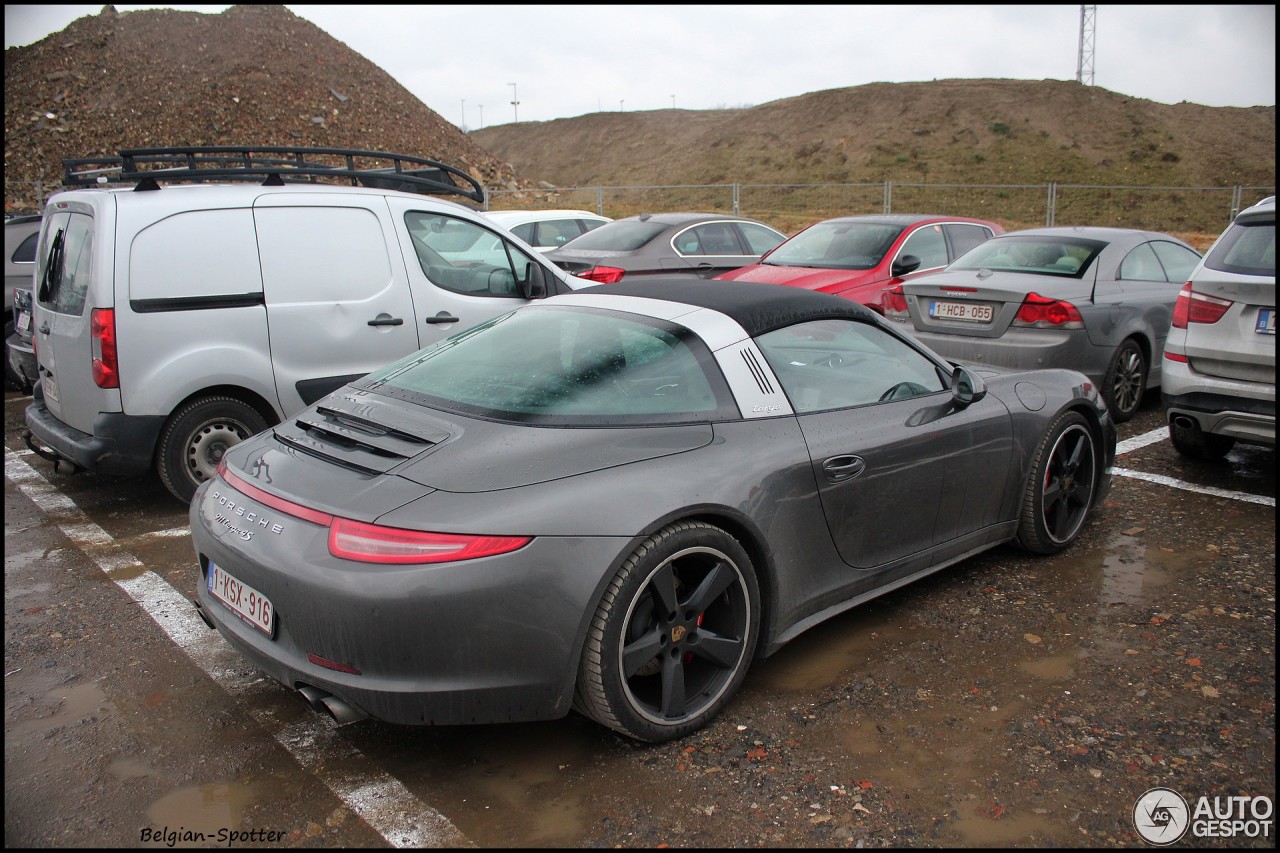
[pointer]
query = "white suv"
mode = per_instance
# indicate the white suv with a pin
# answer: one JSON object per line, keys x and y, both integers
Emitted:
{"x": 1219, "y": 371}
{"x": 181, "y": 314}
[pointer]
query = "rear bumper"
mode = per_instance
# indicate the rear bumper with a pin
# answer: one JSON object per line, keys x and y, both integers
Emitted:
{"x": 1020, "y": 349}
{"x": 22, "y": 358}
{"x": 120, "y": 444}
{"x": 1245, "y": 411}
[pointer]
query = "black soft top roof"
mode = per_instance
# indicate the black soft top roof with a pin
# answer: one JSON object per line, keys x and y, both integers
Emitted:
{"x": 757, "y": 307}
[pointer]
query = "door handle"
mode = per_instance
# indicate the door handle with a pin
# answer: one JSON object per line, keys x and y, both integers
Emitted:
{"x": 442, "y": 317}
{"x": 840, "y": 468}
{"x": 384, "y": 320}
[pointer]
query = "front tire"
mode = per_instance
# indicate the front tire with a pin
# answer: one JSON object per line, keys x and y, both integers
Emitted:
{"x": 1061, "y": 489}
{"x": 197, "y": 436}
{"x": 1126, "y": 380}
{"x": 673, "y": 636}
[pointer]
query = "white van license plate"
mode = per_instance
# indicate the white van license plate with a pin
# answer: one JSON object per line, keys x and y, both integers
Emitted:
{"x": 50, "y": 386}
{"x": 247, "y": 603}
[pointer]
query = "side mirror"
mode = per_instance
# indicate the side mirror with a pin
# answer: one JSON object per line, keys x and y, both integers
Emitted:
{"x": 966, "y": 387}
{"x": 904, "y": 265}
{"x": 534, "y": 283}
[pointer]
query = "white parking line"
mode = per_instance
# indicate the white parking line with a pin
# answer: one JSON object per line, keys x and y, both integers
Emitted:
{"x": 1192, "y": 487}
{"x": 1131, "y": 444}
{"x": 380, "y": 799}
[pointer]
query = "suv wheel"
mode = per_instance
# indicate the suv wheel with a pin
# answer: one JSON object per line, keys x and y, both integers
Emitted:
{"x": 197, "y": 436}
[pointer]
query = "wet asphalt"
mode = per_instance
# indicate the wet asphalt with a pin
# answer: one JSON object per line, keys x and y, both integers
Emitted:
{"x": 1009, "y": 701}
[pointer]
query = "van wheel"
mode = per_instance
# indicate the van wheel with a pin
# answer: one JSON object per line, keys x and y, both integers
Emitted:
{"x": 196, "y": 437}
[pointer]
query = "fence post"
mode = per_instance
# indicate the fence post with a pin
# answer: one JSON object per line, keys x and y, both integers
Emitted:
{"x": 600, "y": 200}
{"x": 737, "y": 200}
{"x": 1052, "y": 205}
{"x": 1237, "y": 200}
{"x": 888, "y": 196}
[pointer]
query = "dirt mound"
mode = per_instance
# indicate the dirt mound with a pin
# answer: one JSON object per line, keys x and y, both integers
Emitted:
{"x": 943, "y": 132}
{"x": 252, "y": 75}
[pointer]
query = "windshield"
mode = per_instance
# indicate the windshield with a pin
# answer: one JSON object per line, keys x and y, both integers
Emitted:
{"x": 837, "y": 246}
{"x": 565, "y": 366}
{"x": 621, "y": 236}
{"x": 1060, "y": 256}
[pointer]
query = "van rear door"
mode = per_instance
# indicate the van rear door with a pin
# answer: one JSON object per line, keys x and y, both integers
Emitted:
{"x": 67, "y": 261}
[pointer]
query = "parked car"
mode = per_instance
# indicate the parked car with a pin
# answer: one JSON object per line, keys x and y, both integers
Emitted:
{"x": 857, "y": 257}
{"x": 695, "y": 244}
{"x": 172, "y": 324}
{"x": 1097, "y": 300}
{"x": 545, "y": 230}
{"x": 614, "y": 504}
{"x": 20, "y": 236}
{"x": 1220, "y": 360}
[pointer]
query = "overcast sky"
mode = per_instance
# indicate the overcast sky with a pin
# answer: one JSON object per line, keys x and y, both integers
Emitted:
{"x": 468, "y": 63}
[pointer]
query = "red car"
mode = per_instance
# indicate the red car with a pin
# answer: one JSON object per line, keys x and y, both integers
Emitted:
{"x": 858, "y": 257}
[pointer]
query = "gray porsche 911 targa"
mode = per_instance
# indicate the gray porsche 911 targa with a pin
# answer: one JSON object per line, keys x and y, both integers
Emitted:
{"x": 614, "y": 500}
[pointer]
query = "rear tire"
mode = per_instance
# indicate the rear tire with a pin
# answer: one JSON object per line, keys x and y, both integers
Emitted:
{"x": 673, "y": 636}
{"x": 1061, "y": 488}
{"x": 197, "y": 436}
{"x": 1195, "y": 443}
{"x": 1126, "y": 380}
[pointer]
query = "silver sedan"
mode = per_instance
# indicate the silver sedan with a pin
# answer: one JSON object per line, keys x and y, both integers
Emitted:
{"x": 1096, "y": 300}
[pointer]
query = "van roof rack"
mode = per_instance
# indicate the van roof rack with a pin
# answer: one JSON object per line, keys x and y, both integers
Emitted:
{"x": 274, "y": 166}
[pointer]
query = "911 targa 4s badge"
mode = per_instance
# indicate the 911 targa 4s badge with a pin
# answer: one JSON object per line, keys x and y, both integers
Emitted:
{"x": 614, "y": 500}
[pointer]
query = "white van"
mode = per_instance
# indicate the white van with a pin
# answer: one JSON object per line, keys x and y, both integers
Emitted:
{"x": 183, "y": 312}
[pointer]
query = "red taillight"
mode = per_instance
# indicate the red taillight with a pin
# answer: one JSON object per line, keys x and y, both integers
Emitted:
{"x": 893, "y": 300}
{"x": 374, "y": 543}
{"x": 604, "y": 275}
{"x": 1193, "y": 307}
{"x": 1041, "y": 312}
{"x": 106, "y": 367}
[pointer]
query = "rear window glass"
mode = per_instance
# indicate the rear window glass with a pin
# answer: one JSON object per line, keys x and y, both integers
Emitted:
{"x": 620, "y": 236}
{"x": 837, "y": 245}
{"x": 1248, "y": 248}
{"x": 1061, "y": 256}
{"x": 565, "y": 367}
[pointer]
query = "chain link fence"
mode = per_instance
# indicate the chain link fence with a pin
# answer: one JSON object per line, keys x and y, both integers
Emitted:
{"x": 790, "y": 207}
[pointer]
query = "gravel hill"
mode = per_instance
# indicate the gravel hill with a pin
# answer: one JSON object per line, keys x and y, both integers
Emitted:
{"x": 252, "y": 75}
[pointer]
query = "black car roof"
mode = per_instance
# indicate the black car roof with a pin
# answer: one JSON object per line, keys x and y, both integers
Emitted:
{"x": 757, "y": 307}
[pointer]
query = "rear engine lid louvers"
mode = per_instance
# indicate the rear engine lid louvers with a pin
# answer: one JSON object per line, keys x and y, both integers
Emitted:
{"x": 363, "y": 435}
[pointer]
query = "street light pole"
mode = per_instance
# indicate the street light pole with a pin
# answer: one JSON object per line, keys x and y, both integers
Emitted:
{"x": 673, "y": 102}
{"x": 464, "y": 115}
{"x": 482, "y": 116}
{"x": 515, "y": 105}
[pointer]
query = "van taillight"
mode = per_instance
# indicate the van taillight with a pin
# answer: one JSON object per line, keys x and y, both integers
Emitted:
{"x": 1193, "y": 307}
{"x": 106, "y": 367}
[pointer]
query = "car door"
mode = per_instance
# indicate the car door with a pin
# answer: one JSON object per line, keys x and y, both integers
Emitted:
{"x": 465, "y": 288}
{"x": 338, "y": 303}
{"x": 1145, "y": 290}
{"x": 898, "y": 471}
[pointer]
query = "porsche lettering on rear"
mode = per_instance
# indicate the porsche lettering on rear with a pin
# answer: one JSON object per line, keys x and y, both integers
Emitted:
{"x": 249, "y": 516}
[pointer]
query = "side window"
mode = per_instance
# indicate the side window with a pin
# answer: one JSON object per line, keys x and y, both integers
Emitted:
{"x": 717, "y": 238}
{"x": 68, "y": 266}
{"x": 589, "y": 224}
{"x": 26, "y": 251}
{"x": 525, "y": 232}
{"x": 1142, "y": 265}
{"x": 928, "y": 245}
{"x": 837, "y": 364}
{"x": 964, "y": 237}
{"x": 463, "y": 257}
{"x": 556, "y": 232}
{"x": 759, "y": 238}
{"x": 1177, "y": 261}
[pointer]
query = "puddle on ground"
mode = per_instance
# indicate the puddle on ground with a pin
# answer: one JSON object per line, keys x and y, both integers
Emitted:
{"x": 982, "y": 826}
{"x": 823, "y": 655}
{"x": 205, "y": 809}
{"x": 1054, "y": 667}
{"x": 76, "y": 704}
